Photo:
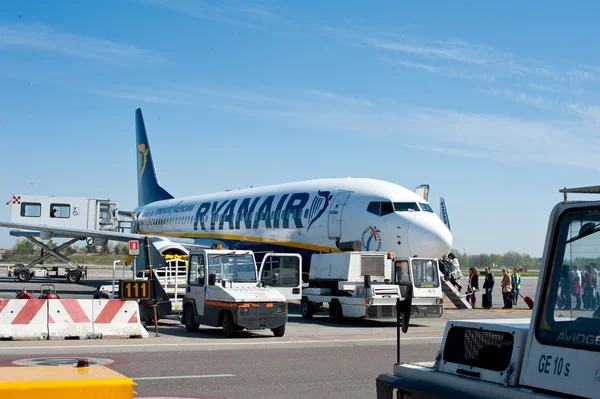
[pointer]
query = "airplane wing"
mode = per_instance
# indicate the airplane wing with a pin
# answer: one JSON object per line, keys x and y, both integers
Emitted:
{"x": 82, "y": 233}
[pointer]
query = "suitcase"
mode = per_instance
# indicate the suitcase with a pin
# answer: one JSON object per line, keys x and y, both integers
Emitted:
{"x": 528, "y": 301}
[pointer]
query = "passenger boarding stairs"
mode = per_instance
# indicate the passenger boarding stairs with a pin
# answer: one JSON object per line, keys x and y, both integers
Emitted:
{"x": 459, "y": 300}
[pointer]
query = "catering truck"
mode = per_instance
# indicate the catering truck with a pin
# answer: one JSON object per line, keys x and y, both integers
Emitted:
{"x": 554, "y": 354}
{"x": 368, "y": 284}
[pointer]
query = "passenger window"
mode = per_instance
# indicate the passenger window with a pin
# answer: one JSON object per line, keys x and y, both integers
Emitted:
{"x": 386, "y": 208}
{"x": 31, "y": 210}
{"x": 374, "y": 208}
{"x": 60, "y": 211}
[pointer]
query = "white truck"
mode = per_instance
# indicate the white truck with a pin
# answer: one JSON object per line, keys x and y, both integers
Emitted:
{"x": 368, "y": 284}
{"x": 224, "y": 290}
{"x": 555, "y": 354}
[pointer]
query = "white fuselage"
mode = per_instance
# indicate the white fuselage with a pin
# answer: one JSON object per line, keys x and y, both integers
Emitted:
{"x": 305, "y": 216}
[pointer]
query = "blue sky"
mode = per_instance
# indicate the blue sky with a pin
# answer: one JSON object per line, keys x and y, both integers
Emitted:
{"x": 494, "y": 104}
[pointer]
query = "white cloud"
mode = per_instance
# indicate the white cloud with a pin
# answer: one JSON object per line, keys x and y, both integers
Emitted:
{"x": 536, "y": 101}
{"x": 44, "y": 38}
{"x": 496, "y": 138}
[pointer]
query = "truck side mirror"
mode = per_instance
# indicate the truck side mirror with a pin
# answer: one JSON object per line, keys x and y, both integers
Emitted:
{"x": 212, "y": 278}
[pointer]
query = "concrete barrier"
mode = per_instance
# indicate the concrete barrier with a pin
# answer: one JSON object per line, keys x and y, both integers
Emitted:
{"x": 70, "y": 318}
{"x": 41, "y": 319}
{"x": 114, "y": 318}
{"x": 24, "y": 319}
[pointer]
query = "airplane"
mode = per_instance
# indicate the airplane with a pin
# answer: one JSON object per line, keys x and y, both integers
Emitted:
{"x": 306, "y": 217}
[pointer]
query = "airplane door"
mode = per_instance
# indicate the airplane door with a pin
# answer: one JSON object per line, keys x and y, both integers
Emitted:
{"x": 284, "y": 273}
{"x": 197, "y": 281}
{"x": 334, "y": 225}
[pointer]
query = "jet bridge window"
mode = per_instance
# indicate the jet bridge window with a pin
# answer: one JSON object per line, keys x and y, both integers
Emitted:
{"x": 62, "y": 211}
{"x": 31, "y": 209}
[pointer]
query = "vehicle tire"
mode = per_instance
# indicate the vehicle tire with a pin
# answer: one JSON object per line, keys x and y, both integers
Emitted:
{"x": 73, "y": 276}
{"x": 229, "y": 327}
{"x": 307, "y": 308}
{"x": 336, "y": 312}
{"x": 23, "y": 275}
{"x": 188, "y": 319}
{"x": 279, "y": 331}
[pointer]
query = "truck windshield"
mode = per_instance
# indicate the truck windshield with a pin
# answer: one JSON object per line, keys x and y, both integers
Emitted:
{"x": 425, "y": 273}
{"x": 570, "y": 314}
{"x": 237, "y": 268}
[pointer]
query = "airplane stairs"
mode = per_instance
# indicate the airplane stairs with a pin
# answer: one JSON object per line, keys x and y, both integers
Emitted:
{"x": 459, "y": 300}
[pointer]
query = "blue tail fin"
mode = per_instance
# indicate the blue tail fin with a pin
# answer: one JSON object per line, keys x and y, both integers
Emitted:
{"x": 149, "y": 190}
{"x": 444, "y": 213}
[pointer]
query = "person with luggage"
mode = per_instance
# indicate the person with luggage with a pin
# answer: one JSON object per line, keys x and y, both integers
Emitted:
{"x": 488, "y": 286}
{"x": 473, "y": 286}
{"x": 516, "y": 284}
{"x": 506, "y": 285}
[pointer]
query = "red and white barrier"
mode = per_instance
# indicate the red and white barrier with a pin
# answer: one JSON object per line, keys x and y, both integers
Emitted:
{"x": 24, "y": 319}
{"x": 117, "y": 319}
{"x": 70, "y": 318}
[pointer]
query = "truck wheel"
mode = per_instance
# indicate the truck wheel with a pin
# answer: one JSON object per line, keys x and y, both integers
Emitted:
{"x": 73, "y": 277}
{"x": 279, "y": 331}
{"x": 307, "y": 308}
{"x": 23, "y": 275}
{"x": 188, "y": 319}
{"x": 336, "y": 312}
{"x": 229, "y": 327}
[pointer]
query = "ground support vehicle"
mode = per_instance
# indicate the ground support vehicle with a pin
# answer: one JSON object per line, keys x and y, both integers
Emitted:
{"x": 555, "y": 354}
{"x": 368, "y": 284}
{"x": 223, "y": 290}
{"x": 24, "y": 273}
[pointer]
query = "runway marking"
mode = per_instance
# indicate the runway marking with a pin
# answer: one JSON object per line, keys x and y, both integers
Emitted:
{"x": 173, "y": 377}
{"x": 188, "y": 344}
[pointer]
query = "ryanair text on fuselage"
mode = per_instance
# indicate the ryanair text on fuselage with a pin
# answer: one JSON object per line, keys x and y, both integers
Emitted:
{"x": 247, "y": 213}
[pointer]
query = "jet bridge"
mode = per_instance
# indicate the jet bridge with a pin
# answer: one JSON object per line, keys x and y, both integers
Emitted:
{"x": 66, "y": 212}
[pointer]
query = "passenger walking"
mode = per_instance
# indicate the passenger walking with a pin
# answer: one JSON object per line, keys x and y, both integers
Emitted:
{"x": 456, "y": 273}
{"x": 506, "y": 285}
{"x": 488, "y": 286}
{"x": 576, "y": 286}
{"x": 565, "y": 288}
{"x": 473, "y": 286}
{"x": 596, "y": 285}
{"x": 516, "y": 283}
{"x": 588, "y": 288}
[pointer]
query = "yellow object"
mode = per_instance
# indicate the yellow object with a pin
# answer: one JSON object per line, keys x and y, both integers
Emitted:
{"x": 61, "y": 382}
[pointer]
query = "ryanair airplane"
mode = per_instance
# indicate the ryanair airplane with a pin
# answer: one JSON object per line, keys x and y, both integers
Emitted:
{"x": 315, "y": 216}
{"x": 303, "y": 217}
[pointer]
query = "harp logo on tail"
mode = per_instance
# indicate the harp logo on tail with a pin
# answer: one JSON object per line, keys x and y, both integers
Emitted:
{"x": 142, "y": 160}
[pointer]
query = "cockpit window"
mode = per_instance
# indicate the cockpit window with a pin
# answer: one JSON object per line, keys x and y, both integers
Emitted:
{"x": 374, "y": 208}
{"x": 406, "y": 207}
{"x": 386, "y": 208}
{"x": 380, "y": 208}
{"x": 426, "y": 207}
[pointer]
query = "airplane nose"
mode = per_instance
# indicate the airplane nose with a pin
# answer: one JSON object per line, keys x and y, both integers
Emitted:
{"x": 429, "y": 236}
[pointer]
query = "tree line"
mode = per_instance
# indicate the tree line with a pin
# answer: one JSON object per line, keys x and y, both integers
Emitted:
{"x": 26, "y": 247}
{"x": 510, "y": 259}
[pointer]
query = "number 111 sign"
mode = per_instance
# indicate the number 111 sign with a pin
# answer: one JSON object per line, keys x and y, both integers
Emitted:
{"x": 133, "y": 290}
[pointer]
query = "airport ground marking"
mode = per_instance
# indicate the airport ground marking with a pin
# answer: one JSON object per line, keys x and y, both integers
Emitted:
{"x": 212, "y": 343}
{"x": 174, "y": 377}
